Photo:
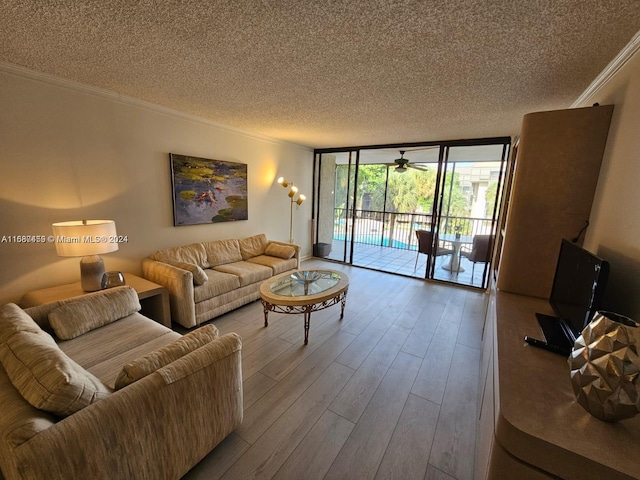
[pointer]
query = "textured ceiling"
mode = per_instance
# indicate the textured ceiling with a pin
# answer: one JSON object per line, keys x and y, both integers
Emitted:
{"x": 329, "y": 73}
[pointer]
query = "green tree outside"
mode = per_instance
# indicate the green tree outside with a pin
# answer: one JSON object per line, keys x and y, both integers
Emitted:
{"x": 410, "y": 192}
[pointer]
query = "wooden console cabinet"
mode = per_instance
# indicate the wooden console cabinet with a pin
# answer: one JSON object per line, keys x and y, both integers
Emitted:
{"x": 555, "y": 176}
{"x": 530, "y": 425}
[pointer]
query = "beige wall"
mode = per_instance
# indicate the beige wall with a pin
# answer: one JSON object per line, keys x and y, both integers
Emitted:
{"x": 614, "y": 231}
{"x": 69, "y": 153}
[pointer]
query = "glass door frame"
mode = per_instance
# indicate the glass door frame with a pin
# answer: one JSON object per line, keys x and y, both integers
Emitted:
{"x": 351, "y": 218}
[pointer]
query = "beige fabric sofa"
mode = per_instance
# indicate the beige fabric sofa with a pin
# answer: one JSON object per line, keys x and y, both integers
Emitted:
{"x": 157, "y": 427}
{"x": 208, "y": 279}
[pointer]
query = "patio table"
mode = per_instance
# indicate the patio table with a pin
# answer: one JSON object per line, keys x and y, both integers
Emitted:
{"x": 456, "y": 241}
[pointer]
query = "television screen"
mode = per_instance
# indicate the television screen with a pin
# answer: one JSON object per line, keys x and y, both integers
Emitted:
{"x": 578, "y": 286}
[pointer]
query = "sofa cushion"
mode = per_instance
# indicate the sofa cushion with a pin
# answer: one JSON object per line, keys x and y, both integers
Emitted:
{"x": 149, "y": 363}
{"x": 217, "y": 284}
{"x": 220, "y": 252}
{"x": 247, "y": 272}
{"x": 92, "y": 311}
{"x": 109, "y": 369}
{"x": 253, "y": 246}
{"x": 20, "y": 420}
{"x": 278, "y": 265}
{"x": 193, "y": 253}
{"x": 46, "y": 377}
{"x": 104, "y": 351}
{"x": 13, "y": 319}
{"x": 199, "y": 277}
{"x": 280, "y": 251}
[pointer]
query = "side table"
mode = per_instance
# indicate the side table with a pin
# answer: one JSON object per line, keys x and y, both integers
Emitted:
{"x": 154, "y": 298}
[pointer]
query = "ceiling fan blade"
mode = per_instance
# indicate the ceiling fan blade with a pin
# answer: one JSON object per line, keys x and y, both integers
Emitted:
{"x": 416, "y": 167}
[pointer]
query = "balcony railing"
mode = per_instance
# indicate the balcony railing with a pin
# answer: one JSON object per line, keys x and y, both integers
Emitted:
{"x": 397, "y": 230}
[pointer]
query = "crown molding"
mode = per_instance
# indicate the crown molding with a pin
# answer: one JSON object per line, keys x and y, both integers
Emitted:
{"x": 24, "y": 72}
{"x": 610, "y": 70}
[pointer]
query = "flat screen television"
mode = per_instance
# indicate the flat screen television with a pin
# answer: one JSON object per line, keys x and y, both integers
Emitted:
{"x": 577, "y": 293}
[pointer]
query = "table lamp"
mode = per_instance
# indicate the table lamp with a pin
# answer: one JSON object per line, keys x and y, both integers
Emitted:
{"x": 87, "y": 239}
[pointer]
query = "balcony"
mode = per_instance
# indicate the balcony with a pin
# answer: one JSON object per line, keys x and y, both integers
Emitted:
{"x": 387, "y": 242}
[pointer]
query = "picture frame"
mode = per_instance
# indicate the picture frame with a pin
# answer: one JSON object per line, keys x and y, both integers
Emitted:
{"x": 207, "y": 190}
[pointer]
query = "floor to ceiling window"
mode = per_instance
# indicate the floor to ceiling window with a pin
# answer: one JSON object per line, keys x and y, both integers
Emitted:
{"x": 371, "y": 205}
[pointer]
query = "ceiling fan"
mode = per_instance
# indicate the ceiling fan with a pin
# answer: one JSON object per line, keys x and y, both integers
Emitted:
{"x": 402, "y": 164}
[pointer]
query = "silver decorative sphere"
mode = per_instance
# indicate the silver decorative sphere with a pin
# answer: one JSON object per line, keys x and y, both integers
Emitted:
{"x": 605, "y": 367}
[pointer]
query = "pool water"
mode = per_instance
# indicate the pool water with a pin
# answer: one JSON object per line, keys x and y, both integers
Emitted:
{"x": 375, "y": 240}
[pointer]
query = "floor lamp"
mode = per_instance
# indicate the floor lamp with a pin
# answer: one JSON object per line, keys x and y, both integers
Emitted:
{"x": 292, "y": 196}
{"x": 87, "y": 239}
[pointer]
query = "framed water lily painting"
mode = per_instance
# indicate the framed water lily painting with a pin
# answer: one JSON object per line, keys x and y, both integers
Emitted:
{"x": 207, "y": 191}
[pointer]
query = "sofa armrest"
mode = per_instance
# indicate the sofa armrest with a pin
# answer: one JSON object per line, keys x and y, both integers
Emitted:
{"x": 179, "y": 283}
{"x": 148, "y": 430}
{"x": 296, "y": 247}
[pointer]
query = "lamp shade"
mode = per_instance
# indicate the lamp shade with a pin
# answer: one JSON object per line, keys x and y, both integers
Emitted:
{"x": 85, "y": 237}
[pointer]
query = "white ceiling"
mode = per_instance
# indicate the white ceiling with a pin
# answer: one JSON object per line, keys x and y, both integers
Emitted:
{"x": 334, "y": 72}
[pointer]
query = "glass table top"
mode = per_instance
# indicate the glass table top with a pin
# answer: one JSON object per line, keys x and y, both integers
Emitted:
{"x": 305, "y": 282}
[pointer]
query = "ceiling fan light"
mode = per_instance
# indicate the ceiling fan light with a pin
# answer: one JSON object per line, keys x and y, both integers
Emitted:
{"x": 401, "y": 169}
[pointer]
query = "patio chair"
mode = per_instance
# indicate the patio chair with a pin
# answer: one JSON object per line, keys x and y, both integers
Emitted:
{"x": 480, "y": 251}
{"x": 425, "y": 245}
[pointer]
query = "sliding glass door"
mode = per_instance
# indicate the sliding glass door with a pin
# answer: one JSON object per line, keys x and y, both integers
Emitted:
{"x": 334, "y": 197}
{"x": 371, "y": 202}
{"x": 470, "y": 186}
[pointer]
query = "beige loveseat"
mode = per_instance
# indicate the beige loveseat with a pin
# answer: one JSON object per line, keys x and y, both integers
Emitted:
{"x": 120, "y": 397}
{"x": 208, "y": 279}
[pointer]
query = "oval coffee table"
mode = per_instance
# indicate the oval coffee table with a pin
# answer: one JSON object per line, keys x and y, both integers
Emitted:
{"x": 304, "y": 291}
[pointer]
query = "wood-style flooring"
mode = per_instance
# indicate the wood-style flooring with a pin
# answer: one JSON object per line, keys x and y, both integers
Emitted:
{"x": 389, "y": 392}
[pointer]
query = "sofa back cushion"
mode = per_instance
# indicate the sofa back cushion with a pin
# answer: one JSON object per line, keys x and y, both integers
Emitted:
{"x": 199, "y": 275}
{"x": 193, "y": 253}
{"x": 281, "y": 251}
{"x": 220, "y": 252}
{"x": 20, "y": 420}
{"x": 253, "y": 246}
{"x": 13, "y": 319}
{"x": 149, "y": 363}
{"x": 92, "y": 311}
{"x": 46, "y": 377}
